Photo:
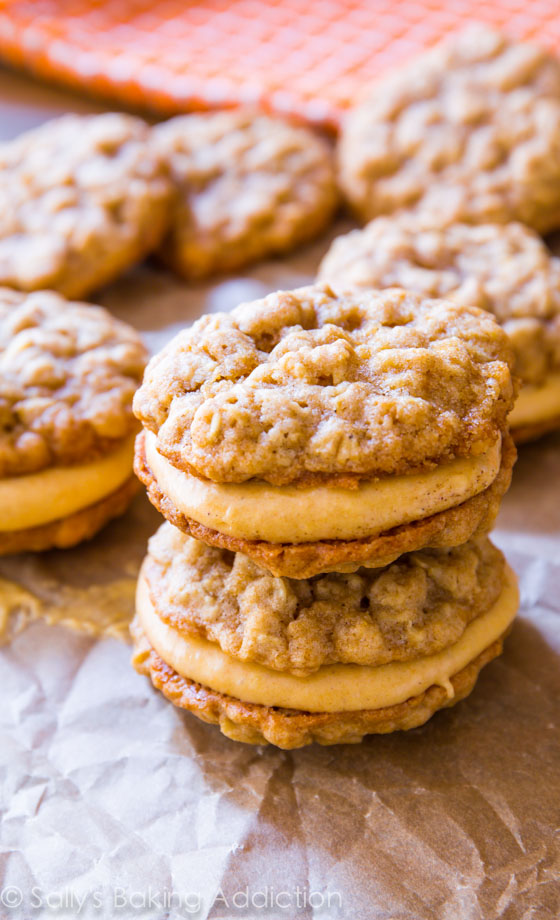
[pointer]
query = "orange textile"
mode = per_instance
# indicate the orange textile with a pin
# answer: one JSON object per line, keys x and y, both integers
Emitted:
{"x": 306, "y": 58}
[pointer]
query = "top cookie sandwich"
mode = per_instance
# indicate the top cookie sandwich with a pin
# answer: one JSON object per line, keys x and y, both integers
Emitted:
{"x": 247, "y": 186}
{"x": 68, "y": 372}
{"x": 503, "y": 268}
{"x": 469, "y": 131}
{"x": 318, "y": 430}
{"x": 83, "y": 198}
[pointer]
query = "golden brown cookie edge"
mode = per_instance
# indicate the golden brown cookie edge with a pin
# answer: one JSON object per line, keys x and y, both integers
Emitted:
{"x": 522, "y": 434}
{"x": 68, "y": 531}
{"x": 447, "y": 528}
{"x": 288, "y": 728}
{"x": 107, "y": 267}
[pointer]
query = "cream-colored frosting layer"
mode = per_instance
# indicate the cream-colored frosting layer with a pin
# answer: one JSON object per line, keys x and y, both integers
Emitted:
{"x": 536, "y": 404}
{"x": 286, "y": 514}
{"x": 55, "y": 493}
{"x": 333, "y": 688}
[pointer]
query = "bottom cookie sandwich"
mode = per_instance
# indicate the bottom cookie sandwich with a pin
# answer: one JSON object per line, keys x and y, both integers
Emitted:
{"x": 327, "y": 659}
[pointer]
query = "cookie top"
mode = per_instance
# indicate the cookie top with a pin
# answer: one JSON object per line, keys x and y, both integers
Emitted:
{"x": 68, "y": 372}
{"x": 417, "y": 606}
{"x": 248, "y": 186}
{"x": 469, "y": 131}
{"x": 503, "y": 268}
{"x": 81, "y": 197}
{"x": 326, "y": 385}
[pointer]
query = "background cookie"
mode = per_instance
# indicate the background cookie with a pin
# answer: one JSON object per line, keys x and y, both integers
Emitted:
{"x": 248, "y": 186}
{"x": 469, "y": 131}
{"x": 503, "y": 268}
{"x": 68, "y": 372}
{"x": 82, "y": 198}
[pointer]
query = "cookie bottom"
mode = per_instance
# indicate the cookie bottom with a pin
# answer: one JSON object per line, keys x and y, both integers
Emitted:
{"x": 68, "y": 531}
{"x": 304, "y": 560}
{"x": 290, "y": 728}
{"x": 525, "y": 433}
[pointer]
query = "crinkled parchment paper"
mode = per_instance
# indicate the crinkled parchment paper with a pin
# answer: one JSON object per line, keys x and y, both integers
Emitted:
{"x": 115, "y": 804}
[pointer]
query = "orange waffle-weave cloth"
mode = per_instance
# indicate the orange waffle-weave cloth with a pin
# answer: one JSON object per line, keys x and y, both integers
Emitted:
{"x": 307, "y": 58}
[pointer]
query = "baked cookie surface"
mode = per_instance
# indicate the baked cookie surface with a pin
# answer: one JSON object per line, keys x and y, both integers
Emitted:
{"x": 248, "y": 186}
{"x": 320, "y": 385}
{"x": 469, "y": 131}
{"x": 68, "y": 372}
{"x": 83, "y": 198}
{"x": 416, "y": 606}
{"x": 503, "y": 268}
{"x": 433, "y": 621}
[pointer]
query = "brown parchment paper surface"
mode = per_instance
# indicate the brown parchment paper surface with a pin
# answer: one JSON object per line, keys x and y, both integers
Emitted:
{"x": 115, "y": 804}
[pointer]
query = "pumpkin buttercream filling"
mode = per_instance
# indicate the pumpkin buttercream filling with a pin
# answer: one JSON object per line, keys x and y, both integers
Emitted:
{"x": 59, "y": 491}
{"x": 332, "y": 688}
{"x": 257, "y": 510}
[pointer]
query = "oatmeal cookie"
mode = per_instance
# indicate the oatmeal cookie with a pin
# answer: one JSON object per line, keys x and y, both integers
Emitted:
{"x": 289, "y": 728}
{"x": 248, "y": 186}
{"x": 228, "y": 644}
{"x": 503, "y": 268}
{"x": 417, "y": 606}
{"x": 469, "y": 132}
{"x": 79, "y": 526}
{"x": 324, "y": 386}
{"x": 68, "y": 372}
{"x": 83, "y": 198}
{"x": 448, "y": 528}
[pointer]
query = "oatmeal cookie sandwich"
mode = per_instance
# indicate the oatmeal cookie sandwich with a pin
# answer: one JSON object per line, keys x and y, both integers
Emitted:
{"x": 469, "y": 131}
{"x": 503, "y": 268}
{"x": 83, "y": 198}
{"x": 68, "y": 372}
{"x": 247, "y": 186}
{"x": 322, "y": 430}
{"x": 328, "y": 659}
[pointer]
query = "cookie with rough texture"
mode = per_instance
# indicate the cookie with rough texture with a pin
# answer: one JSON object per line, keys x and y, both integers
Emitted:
{"x": 68, "y": 372}
{"x": 289, "y": 728}
{"x": 323, "y": 385}
{"x": 448, "y": 528}
{"x": 417, "y": 606}
{"x": 433, "y": 619}
{"x": 83, "y": 198}
{"x": 323, "y": 429}
{"x": 248, "y": 186}
{"x": 503, "y": 268}
{"x": 469, "y": 131}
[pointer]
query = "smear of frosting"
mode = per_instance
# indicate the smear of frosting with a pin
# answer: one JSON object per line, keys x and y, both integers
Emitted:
{"x": 98, "y": 610}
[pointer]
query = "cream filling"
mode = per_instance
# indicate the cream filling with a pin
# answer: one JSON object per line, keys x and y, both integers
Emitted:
{"x": 333, "y": 688}
{"x": 536, "y": 404}
{"x": 256, "y": 510}
{"x": 55, "y": 493}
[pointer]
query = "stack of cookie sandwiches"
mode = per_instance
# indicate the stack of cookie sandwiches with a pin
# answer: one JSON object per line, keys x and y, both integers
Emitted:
{"x": 68, "y": 372}
{"x": 330, "y": 462}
